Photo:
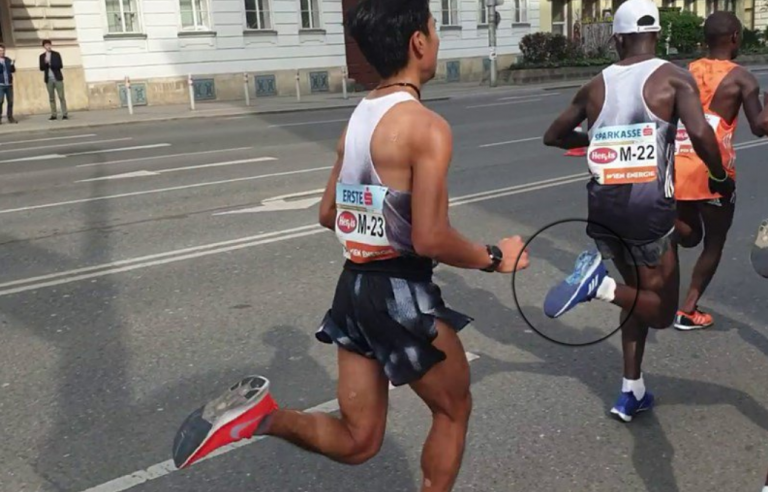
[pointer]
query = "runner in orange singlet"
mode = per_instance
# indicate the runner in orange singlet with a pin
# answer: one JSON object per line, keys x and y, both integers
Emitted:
{"x": 724, "y": 87}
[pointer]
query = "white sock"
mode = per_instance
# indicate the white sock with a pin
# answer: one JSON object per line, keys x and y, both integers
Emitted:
{"x": 636, "y": 386}
{"x": 765, "y": 489}
{"x": 607, "y": 290}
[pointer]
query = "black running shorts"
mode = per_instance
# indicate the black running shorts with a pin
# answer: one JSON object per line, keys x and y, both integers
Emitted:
{"x": 646, "y": 254}
{"x": 391, "y": 320}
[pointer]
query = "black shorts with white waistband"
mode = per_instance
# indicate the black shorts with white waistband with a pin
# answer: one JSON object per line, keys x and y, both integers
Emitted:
{"x": 388, "y": 312}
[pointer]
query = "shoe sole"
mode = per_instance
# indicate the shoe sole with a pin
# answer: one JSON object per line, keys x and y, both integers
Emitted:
{"x": 692, "y": 328}
{"x": 627, "y": 418}
{"x": 243, "y": 396}
{"x": 595, "y": 266}
{"x": 759, "y": 255}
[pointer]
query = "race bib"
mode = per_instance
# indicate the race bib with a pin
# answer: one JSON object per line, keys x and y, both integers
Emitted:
{"x": 623, "y": 154}
{"x": 683, "y": 143}
{"x": 360, "y": 224}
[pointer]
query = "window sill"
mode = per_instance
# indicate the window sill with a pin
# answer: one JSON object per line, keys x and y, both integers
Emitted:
{"x": 482, "y": 26}
{"x": 311, "y": 31}
{"x": 521, "y": 24}
{"x": 450, "y": 28}
{"x": 125, "y": 35}
{"x": 197, "y": 34}
{"x": 259, "y": 32}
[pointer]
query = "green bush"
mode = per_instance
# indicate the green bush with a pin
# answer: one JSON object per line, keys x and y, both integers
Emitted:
{"x": 683, "y": 31}
{"x": 541, "y": 47}
{"x": 750, "y": 39}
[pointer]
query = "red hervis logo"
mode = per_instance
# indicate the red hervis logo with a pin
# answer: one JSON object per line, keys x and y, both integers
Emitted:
{"x": 603, "y": 155}
{"x": 347, "y": 222}
{"x": 647, "y": 131}
{"x": 368, "y": 198}
{"x": 682, "y": 135}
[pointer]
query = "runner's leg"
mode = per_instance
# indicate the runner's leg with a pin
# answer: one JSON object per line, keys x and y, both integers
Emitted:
{"x": 689, "y": 224}
{"x": 634, "y": 332}
{"x": 356, "y": 437}
{"x": 717, "y": 223}
{"x": 445, "y": 390}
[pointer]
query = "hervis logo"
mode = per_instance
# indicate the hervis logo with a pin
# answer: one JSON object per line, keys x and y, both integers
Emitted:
{"x": 603, "y": 155}
{"x": 682, "y": 135}
{"x": 347, "y": 222}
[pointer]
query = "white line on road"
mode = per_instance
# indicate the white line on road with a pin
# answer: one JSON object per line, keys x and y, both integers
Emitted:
{"x": 71, "y": 144}
{"x": 88, "y": 135}
{"x": 162, "y": 190}
{"x": 751, "y": 143}
{"x": 104, "y": 269}
{"x": 503, "y": 103}
{"x": 508, "y": 142}
{"x": 144, "y": 173}
{"x": 514, "y": 98}
{"x": 121, "y": 149}
{"x": 321, "y": 122}
{"x": 167, "y": 156}
{"x": 160, "y": 470}
{"x": 279, "y": 203}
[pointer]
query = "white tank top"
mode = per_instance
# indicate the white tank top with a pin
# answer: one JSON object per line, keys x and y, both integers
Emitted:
{"x": 373, "y": 222}
{"x": 631, "y": 158}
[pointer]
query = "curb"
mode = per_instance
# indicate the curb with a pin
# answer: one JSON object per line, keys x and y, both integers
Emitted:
{"x": 19, "y": 128}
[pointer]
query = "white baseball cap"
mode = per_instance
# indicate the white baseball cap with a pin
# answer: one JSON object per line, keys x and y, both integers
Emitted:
{"x": 630, "y": 12}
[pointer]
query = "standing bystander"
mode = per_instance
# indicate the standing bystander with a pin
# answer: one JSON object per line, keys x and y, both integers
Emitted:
{"x": 7, "y": 68}
{"x": 51, "y": 65}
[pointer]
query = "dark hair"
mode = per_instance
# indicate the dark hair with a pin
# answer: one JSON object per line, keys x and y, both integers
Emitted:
{"x": 383, "y": 30}
{"x": 46, "y": 41}
{"x": 720, "y": 24}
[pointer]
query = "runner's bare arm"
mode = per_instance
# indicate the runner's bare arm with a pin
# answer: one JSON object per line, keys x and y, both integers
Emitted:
{"x": 750, "y": 97}
{"x": 432, "y": 234}
{"x": 763, "y": 118}
{"x": 328, "y": 203}
{"x": 561, "y": 133}
{"x": 688, "y": 108}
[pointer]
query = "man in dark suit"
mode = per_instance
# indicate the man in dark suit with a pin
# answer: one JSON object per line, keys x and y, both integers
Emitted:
{"x": 6, "y": 83}
{"x": 51, "y": 65}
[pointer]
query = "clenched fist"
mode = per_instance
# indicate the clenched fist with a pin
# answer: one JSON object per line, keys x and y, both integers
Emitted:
{"x": 511, "y": 248}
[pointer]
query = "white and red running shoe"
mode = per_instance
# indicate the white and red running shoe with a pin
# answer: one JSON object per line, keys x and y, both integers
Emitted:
{"x": 233, "y": 416}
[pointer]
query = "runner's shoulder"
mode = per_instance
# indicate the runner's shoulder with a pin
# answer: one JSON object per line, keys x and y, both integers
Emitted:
{"x": 423, "y": 123}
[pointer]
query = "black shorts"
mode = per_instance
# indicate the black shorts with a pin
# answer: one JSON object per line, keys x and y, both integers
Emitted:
{"x": 391, "y": 320}
{"x": 643, "y": 254}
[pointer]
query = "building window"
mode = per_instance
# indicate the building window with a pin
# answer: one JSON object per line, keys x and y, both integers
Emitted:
{"x": 482, "y": 13}
{"x": 257, "y": 14}
{"x": 122, "y": 16}
{"x": 450, "y": 10}
{"x": 195, "y": 15}
{"x": 310, "y": 14}
{"x": 521, "y": 12}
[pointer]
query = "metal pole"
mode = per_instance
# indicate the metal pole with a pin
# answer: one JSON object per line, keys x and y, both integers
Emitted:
{"x": 245, "y": 88}
{"x": 191, "y": 92}
{"x": 344, "y": 82}
{"x": 128, "y": 95}
{"x": 492, "y": 39}
{"x": 298, "y": 87}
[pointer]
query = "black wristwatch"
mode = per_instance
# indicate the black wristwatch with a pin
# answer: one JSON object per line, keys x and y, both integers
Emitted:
{"x": 496, "y": 256}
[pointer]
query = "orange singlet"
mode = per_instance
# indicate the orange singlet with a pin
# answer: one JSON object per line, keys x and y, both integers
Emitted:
{"x": 691, "y": 175}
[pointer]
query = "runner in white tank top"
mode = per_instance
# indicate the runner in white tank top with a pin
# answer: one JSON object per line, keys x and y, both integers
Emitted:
{"x": 387, "y": 202}
{"x": 633, "y": 109}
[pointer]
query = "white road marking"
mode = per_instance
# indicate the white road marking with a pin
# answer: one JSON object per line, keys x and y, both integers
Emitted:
{"x": 279, "y": 203}
{"x": 71, "y": 144}
{"x": 751, "y": 143}
{"x": 122, "y": 149}
{"x": 88, "y": 135}
{"x": 34, "y": 158}
{"x": 160, "y": 470}
{"x": 167, "y": 156}
{"x": 104, "y": 269}
{"x": 503, "y": 103}
{"x": 513, "y": 98}
{"x": 144, "y": 173}
{"x": 508, "y": 142}
{"x": 321, "y": 122}
{"x": 162, "y": 190}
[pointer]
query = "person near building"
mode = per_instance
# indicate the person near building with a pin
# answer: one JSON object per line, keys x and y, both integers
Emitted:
{"x": 7, "y": 68}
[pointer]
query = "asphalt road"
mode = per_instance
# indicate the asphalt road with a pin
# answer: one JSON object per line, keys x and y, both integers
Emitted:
{"x": 147, "y": 267}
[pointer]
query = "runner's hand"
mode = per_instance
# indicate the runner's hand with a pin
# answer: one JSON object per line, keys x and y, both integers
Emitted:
{"x": 724, "y": 188}
{"x": 511, "y": 248}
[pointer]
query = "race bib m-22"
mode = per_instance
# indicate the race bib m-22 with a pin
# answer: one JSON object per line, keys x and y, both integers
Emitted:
{"x": 623, "y": 154}
{"x": 360, "y": 224}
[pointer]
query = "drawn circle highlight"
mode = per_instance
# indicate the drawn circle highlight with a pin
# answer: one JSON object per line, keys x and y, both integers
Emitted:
{"x": 528, "y": 321}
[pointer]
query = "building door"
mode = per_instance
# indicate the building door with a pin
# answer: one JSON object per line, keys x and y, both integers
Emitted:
{"x": 359, "y": 69}
{"x": 560, "y": 17}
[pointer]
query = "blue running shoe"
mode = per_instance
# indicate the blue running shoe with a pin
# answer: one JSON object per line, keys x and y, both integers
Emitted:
{"x": 627, "y": 406}
{"x": 580, "y": 287}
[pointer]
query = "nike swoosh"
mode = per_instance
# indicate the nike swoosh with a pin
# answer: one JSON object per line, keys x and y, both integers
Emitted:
{"x": 236, "y": 430}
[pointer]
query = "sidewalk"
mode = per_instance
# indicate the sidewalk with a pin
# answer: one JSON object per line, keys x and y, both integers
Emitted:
{"x": 266, "y": 105}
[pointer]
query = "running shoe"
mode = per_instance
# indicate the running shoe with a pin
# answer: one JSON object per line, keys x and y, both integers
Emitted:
{"x": 627, "y": 406}
{"x": 580, "y": 287}
{"x": 696, "y": 320}
{"x": 233, "y": 416}
{"x": 759, "y": 254}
